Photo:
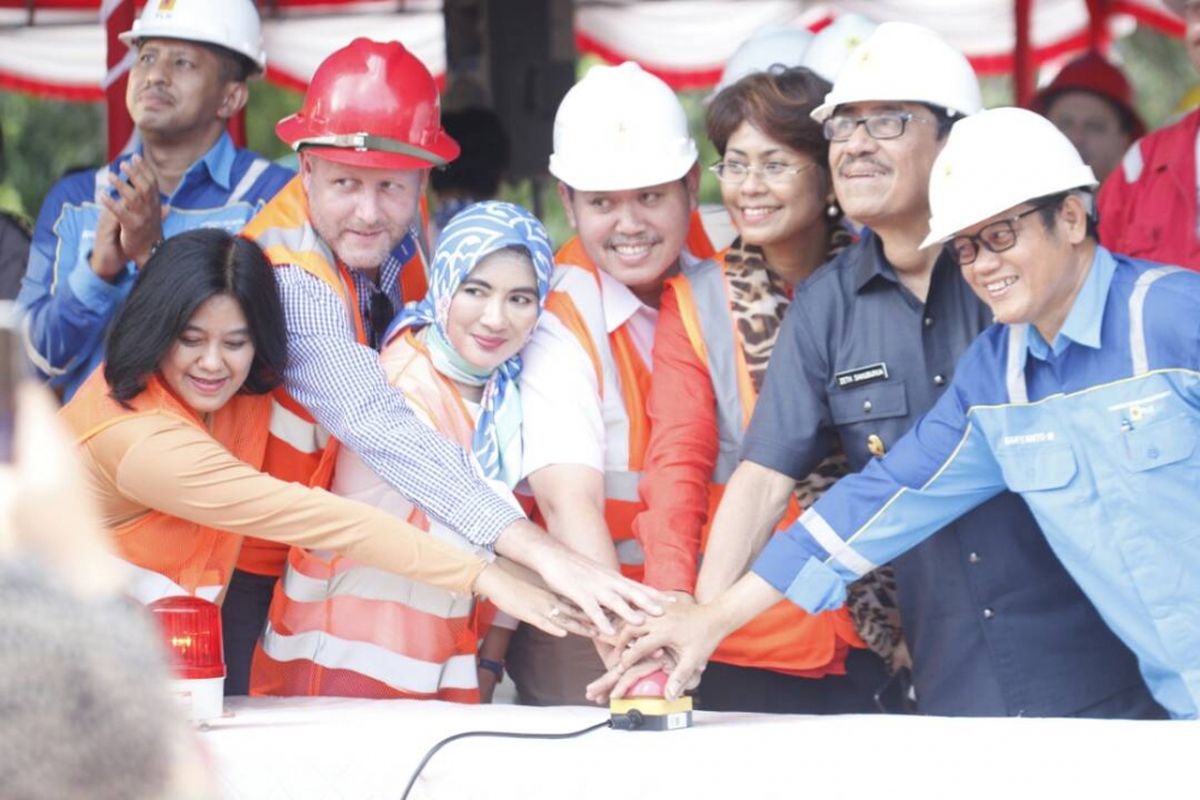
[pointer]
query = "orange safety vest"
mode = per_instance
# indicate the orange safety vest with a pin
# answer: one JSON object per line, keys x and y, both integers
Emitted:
{"x": 698, "y": 243}
{"x": 784, "y": 638}
{"x": 299, "y": 449}
{"x": 628, "y": 435}
{"x": 337, "y": 627}
{"x": 193, "y": 559}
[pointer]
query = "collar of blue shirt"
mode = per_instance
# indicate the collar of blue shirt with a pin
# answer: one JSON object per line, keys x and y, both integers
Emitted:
{"x": 1082, "y": 325}
{"x": 218, "y": 162}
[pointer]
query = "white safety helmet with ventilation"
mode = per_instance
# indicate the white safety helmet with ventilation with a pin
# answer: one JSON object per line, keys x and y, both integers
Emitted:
{"x": 620, "y": 128}
{"x": 835, "y": 42}
{"x": 232, "y": 24}
{"x": 907, "y": 63}
{"x": 995, "y": 160}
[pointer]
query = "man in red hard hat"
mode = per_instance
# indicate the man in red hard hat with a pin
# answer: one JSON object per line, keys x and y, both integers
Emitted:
{"x": 1091, "y": 102}
{"x": 1148, "y": 205}
{"x": 339, "y": 236}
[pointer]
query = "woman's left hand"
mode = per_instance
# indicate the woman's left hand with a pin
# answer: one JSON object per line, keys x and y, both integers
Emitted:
{"x": 543, "y": 610}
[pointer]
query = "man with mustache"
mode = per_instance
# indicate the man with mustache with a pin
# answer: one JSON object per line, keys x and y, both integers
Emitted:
{"x": 628, "y": 176}
{"x": 995, "y": 625}
{"x": 96, "y": 228}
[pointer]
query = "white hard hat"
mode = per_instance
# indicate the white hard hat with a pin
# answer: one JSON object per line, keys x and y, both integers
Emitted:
{"x": 995, "y": 160}
{"x": 834, "y": 43}
{"x": 766, "y": 47}
{"x": 905, "y": 62}
{"x": 620, "y": 128}
{"x": 232, "y": 24}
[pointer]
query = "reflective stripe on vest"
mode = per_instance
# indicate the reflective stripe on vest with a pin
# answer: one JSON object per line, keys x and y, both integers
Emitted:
{"x": 298, "y": 449}
{"x": 783, "y": 638}
{"x": 624, "y": 382}
{"x": 146, "y": 585}
{"x": 332, "y": 618}
{"x": 704, "y": 306}
{"x": 380, "y": 664}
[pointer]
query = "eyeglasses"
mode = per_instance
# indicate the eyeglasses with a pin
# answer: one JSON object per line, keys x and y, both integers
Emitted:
{"x": 888, "y": 125}
{"x": 1001, "y": 235}
{"x": 771, "y": 172}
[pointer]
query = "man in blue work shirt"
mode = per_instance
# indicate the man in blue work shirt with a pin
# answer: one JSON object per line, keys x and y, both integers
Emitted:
{"x": 1085, "y": 399}
{"x": 97, "y": 228}
{"x": 995, "y": 625}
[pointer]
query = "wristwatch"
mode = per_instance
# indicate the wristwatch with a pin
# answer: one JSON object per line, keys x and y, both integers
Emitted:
{"x": 494, "y": 667}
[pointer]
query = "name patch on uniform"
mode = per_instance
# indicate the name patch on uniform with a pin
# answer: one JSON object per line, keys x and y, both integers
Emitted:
{"x": 860, "y": 376}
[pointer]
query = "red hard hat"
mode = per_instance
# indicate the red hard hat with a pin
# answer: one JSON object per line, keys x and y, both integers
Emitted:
{"x": 1093, "y": 73}
{"x": 371, "y": 104}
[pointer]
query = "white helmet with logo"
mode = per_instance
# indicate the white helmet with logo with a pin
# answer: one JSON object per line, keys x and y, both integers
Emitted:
{"x": 620, "y": 128}
{"x": 835, "y": 42}
{"x": 907, "y": 63}
{"x": 996, "y": 160}
{"x": 766, "y": 47}
{"x": 232, "y": 24}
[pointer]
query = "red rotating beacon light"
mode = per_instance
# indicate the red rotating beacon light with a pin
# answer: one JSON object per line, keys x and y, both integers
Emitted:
{"x": 191, "y": 630}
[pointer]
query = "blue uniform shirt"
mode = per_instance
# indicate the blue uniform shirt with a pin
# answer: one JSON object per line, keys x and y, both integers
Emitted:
{"x": 1099, "y": 431}
{"x": 68, "y": 307}
{"x": 995, "y": 624}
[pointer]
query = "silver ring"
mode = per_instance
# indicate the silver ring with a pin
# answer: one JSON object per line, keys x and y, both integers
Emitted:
{"x": 554, "y": 612}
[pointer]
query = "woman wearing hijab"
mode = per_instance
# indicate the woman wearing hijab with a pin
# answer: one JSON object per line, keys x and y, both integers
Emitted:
{"x": 340, "y": 628}
{"x": 172, "y": 429}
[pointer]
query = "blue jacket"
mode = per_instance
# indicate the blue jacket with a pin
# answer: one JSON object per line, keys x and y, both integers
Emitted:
{"x": 1099, "y": 431}
{"x": 68, "y": 307}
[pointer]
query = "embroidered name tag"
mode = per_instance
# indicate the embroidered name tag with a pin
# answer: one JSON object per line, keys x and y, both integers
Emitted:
{"x": 860, "y": 376}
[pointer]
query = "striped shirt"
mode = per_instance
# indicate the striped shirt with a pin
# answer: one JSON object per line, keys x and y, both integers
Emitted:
{"x": 342, "y": 385}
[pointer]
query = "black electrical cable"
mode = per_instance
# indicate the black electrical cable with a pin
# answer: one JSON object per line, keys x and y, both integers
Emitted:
{"x": 634, "y": 720}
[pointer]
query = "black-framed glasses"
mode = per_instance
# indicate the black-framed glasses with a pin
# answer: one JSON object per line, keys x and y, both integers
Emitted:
{"x": 1001, "y": 235}
{"x": 884, "y": 125}
{"x": 381, "y": 312}
{"x": 771, "y": 172}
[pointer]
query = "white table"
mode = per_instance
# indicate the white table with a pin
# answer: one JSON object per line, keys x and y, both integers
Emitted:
{"x": 298, "y": 748}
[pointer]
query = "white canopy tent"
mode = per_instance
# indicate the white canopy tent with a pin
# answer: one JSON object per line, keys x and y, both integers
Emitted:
{"x": 59, "y": 48}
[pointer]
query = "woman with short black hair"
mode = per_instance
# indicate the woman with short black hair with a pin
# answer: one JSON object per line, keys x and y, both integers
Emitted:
{"x": 173, "y": 430}
{"x": 150, "y": 320}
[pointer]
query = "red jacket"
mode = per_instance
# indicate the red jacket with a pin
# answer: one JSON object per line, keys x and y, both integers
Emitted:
{"x": 1148, "y": 204}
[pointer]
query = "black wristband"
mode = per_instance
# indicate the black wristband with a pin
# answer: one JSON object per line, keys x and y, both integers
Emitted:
{"x": 495, "y": 667}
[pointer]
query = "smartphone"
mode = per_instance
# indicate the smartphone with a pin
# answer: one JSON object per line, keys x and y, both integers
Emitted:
{"x": 14, "y": 369}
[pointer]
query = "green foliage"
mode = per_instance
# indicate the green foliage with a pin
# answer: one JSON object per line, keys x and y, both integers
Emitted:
{"x": 42, "y": 140}
{"x": 267, "y": 105}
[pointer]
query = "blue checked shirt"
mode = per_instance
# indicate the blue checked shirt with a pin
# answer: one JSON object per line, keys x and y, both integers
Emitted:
{"x": 342, "y": 385}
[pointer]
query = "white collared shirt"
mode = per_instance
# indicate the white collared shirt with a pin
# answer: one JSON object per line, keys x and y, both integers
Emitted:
{"x": 565, "y": 413}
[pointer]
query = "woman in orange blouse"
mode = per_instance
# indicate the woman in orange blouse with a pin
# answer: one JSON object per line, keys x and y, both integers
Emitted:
{"x": 776, "y": 186}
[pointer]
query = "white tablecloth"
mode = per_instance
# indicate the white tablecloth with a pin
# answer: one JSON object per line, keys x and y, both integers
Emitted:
{"x": 298, "y": 748}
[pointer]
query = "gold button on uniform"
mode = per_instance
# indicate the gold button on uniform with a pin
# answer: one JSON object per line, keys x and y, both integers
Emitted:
{"x": 875, "y": 446}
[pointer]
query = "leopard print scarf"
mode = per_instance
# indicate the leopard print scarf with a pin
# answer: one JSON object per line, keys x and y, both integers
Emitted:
{"x": 758, "y": 299}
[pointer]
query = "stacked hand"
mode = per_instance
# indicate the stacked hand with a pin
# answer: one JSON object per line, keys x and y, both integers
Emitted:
{"x": 679, "y": 642}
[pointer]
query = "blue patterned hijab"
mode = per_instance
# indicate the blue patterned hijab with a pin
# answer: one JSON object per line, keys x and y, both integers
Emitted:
{"x": 473, "y": 234}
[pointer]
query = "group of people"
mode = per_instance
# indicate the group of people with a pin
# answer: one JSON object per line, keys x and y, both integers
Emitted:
{"x": 405, "y": 476}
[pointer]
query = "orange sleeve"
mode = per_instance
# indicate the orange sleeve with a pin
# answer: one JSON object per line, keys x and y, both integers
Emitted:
{"x": 681, "y": 457}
